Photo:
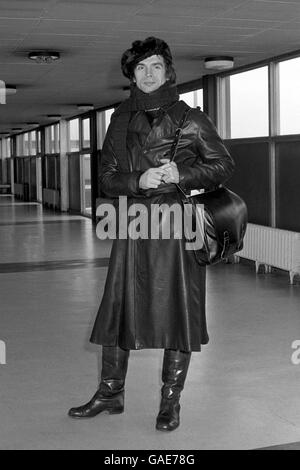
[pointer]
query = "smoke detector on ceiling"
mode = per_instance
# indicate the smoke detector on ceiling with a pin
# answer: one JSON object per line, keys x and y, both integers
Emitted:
{"x": 219, "y": 63}
{"x": 44, "y": 57}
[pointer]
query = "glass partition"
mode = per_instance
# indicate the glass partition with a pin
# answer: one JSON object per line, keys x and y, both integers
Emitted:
{"x": 193, "y": 98}
{"x": 249, "y": 103}
{"x": 74, "y": 135}
{"x": 86, "y": 137}
{"x": 289, "y": 96}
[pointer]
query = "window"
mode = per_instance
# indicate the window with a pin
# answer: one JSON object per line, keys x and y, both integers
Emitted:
{"x": 86, "y": 205}
{"x": 20, "y": 145}
{"x": 249, "y": 103}
{"x": 74, "y": 135}
{"x": 48, "y": 139}
{"x": 56, "y": 138}
{"x": 26, "y": 144}
{"x": 51, "y": 143}
{"x": 193, "y": 98}
{"x": 32, "y": 138}
{"x": 39, "y": 142}
{"x": 86, "y": 138}
{"x": 8, "y": 147}
{"x": 100, "y": 129}
{"x": 188, "y": 98}
{"x": 289, "y": 93}
{"x": 108, "y": 114}
{"x": 103, "y": 121}
{"x": 52, "y": 139}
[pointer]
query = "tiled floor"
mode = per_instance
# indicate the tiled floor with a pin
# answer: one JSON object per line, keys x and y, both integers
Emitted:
{"x": 242, "y": 391}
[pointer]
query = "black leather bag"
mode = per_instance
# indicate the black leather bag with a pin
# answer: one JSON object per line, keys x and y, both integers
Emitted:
{"x": 220, "y": 216}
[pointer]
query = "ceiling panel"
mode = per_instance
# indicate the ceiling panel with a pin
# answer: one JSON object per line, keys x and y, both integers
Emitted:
{"x": 91, "y": 36}
{"x": 60, "y": 42}
{"x": 247, "y": 23}
{"x": 212, "y": 6}
{"x": 23, "y": 8}
{"x": 210, "y": 32}
{"x": 203, "y": 9}
{"x": 278, "y": 1}
{"x": 261, "y": 10}
{"x": 16, "y": 26}
{"x": 73, "y": 10}
{"x": 271, "y": 38}
{"x": 11, "y": 42}
{"x": 77, "y": 27}
{"x": 153, "y": 24}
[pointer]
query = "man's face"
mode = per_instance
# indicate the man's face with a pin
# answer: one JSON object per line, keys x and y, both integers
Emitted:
{"x": 150, "y": 73}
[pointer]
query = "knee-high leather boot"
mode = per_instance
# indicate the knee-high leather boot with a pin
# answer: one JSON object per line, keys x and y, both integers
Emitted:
{"x": 110, "y": 394}
{"x": 175, "y": 367}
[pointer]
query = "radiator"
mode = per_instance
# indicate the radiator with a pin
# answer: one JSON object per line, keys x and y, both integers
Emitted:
{"x": 51, "y": 197}
{"x": 272, "y": 247}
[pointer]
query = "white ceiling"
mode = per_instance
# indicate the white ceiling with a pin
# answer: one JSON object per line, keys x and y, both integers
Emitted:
{"x": 91, "y": 36}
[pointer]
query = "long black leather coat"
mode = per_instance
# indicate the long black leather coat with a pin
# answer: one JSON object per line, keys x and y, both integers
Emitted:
{"x": 154, "y": 295}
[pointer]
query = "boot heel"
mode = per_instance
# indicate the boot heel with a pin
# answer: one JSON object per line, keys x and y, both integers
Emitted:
{"x": 116, "y": 411}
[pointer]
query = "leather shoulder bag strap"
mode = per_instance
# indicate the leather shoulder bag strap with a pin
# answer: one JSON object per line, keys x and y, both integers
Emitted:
{"x": 174, "y": 147}
{"x": 178, "y": 134}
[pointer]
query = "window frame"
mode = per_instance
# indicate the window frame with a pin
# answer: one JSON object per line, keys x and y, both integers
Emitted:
{"x": 223, "y": 97}
{"x": 277, "y": 65}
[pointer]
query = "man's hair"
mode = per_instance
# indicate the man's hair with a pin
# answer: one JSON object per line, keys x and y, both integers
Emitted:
{"x": 140, "y": 50}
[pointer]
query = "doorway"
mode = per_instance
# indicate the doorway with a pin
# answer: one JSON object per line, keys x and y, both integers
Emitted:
{"x": 85, "y": 178}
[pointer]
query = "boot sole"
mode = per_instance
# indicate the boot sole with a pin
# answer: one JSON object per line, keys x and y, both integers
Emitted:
{"x": 110, "y": 412}
{"x": 166, "y": 430}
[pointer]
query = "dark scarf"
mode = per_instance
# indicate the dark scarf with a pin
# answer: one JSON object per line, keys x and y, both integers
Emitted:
{"x": 164, "y": 97}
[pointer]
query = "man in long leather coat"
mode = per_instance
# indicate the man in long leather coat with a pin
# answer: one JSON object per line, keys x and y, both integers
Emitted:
{"x": 154, "y": 295}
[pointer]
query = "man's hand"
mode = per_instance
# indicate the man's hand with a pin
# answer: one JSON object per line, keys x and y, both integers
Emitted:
{"x": 166, "y": 173}
{"x": 171, "y": 173}
{"x": 151, "y": 178}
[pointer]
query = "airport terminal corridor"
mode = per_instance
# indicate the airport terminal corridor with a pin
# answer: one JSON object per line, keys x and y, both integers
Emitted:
{"x": 242, "y": 391}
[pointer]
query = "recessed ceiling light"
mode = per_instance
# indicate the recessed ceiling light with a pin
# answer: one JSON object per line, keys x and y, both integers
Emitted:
{"x": 218, "y": 63}
{"x": 44, "y": 57}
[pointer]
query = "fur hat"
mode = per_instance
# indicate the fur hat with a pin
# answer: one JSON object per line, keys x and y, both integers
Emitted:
{"x": 140, "y": 50}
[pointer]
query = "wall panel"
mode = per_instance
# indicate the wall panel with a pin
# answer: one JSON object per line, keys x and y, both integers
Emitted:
{"x": 251, "y": 179}
{"x": 74, "y": 182}
{"x": 288, "y": 185}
